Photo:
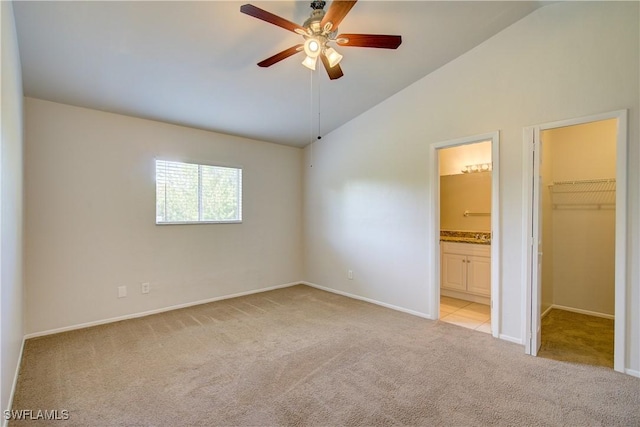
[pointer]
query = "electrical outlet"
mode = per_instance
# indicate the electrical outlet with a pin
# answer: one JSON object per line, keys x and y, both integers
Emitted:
{"x": 144, "y": 287}
{"x": 350, "y": 274}
{"x": 122, "y": 291}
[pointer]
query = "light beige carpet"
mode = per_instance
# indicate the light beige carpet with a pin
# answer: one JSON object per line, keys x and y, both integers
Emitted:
{"x": 575, "y": 337}
{"x": 301, "y": 356}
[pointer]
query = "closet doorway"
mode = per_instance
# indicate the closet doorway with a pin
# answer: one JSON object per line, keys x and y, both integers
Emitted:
{"x": 576, "y": 253}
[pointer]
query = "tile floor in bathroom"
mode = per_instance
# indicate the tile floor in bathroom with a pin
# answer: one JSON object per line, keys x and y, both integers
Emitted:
{"x": 467, "y": 314}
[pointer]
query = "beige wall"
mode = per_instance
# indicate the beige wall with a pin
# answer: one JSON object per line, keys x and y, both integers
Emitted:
{"x": 585, "y": 151}
{"x": 465, "y": 192}
{"x": 90, "y": 217}
{"x": 11, "y": 206}
{"x": 583, "y": 239}
{"x": 367, "y": 194}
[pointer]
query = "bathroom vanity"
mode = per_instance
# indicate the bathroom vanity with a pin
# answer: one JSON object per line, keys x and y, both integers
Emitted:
{"x": 465, "y": 267}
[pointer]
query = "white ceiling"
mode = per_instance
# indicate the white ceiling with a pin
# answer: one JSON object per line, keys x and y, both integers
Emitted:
{"x": 194, "y": 63}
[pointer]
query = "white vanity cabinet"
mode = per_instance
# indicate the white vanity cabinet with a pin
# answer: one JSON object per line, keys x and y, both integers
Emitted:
{"x": 465, "y": 270}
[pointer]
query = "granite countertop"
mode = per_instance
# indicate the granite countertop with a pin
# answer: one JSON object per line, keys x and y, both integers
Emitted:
{"x": 474, "y": 237}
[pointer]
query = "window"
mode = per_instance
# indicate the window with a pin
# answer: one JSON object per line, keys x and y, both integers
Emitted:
{"x": 190, "y": 193}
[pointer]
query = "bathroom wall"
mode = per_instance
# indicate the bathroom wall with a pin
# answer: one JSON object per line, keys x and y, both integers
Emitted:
{"x": 460, "y": 192}
{"x": 465, "y": 192}
{"x": 583, "y": 237}
{"x": 453, "y": 159}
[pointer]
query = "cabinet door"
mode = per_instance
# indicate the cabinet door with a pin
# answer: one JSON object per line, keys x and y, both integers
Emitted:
{"x": 454, "y": 272}
{"x": 479, "y": 275}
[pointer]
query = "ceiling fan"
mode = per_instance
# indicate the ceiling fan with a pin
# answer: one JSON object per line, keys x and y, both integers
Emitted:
{"x": 319, "y": 31}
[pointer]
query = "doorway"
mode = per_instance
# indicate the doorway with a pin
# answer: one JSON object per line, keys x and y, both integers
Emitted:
{"x": 575, "y": 254}
{"x": 481, "y": 267}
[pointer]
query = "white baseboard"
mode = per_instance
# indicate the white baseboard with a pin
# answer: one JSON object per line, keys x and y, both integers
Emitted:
{"x": 581, "y": 311}
{"x": 369, "y": 300}
{"x": 156, "y": 311}
{"x": 393, "y": 307}
{"x": 632, "y": 372}
{"x": 510, "y": 339}
{"x": 542, "y": 316}
{"x": 5, "y": 423}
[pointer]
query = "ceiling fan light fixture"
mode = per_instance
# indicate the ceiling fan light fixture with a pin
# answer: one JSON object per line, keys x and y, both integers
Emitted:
{"x": 333, "y": 56}
{"x": 310, "y": 62}
{"x": 318, "y": 30}
{"x": 312, "y": 47}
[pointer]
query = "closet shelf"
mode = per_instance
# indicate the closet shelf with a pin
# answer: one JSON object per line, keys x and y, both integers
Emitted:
{"x": 589, "y": 194}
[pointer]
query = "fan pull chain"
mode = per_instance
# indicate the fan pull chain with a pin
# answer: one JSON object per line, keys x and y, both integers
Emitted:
{"x": 311, "y": 119}
{"x": 318, "y": 87}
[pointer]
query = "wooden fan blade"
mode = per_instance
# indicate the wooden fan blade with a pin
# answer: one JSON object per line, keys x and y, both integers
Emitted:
{"x": 380, "y": 41}
{"x": 334, "y": 72}
{"x": 280, "y": 56}
{"x": 337, "y": 11}
{"x": 269, "y": 17}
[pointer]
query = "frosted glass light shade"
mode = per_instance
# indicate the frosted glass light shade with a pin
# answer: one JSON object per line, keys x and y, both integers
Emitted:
{"x": 310, "y": 62}
{"x": 333, "y": 56}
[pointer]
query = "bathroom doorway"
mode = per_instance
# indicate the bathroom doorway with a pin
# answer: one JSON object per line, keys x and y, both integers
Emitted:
{"x": 575, "y": 255}
{"x": 465, "y": 246}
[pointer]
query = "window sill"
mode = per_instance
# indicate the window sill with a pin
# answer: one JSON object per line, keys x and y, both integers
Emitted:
{"x": 199, "y": 222}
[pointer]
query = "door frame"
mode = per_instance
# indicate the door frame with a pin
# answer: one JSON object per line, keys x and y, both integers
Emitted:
{"x": 531, "y": 193}
{"x": 434, "y": 224}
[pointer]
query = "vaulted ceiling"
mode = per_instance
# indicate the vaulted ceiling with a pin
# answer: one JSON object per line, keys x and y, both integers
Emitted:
{"x": 194, "y": 63}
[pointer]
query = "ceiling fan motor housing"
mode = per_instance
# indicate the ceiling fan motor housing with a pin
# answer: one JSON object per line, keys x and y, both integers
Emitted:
{"x": 313, "y": 23}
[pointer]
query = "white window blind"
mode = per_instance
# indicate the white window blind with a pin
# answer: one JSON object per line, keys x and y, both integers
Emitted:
{"x": 192, "y": 193}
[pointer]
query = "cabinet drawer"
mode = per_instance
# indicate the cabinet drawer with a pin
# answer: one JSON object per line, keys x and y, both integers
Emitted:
{"x": 466, "y": 249}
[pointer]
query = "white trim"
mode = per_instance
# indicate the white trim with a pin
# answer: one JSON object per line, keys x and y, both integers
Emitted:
{"x": 622, "y": 194}
{"x": 621, "y": 258}
{"x": 15, "y": 381}
{"x": 496, "y": 297}
{"x": 510, "y": 339}
{"x": 433, "y": 227}
{"x": 527, "y": 230}
{"x": 156, "y": 311}
{"x": 535, "y": 338}
{"x": 369, "y": 300}
{"x": 547, "y": 311}
{"x": 581, "y": 311}
{"x": 234, "y": 221}
{"x": 632, "y": 372}
{"x": 433, "y": 233}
